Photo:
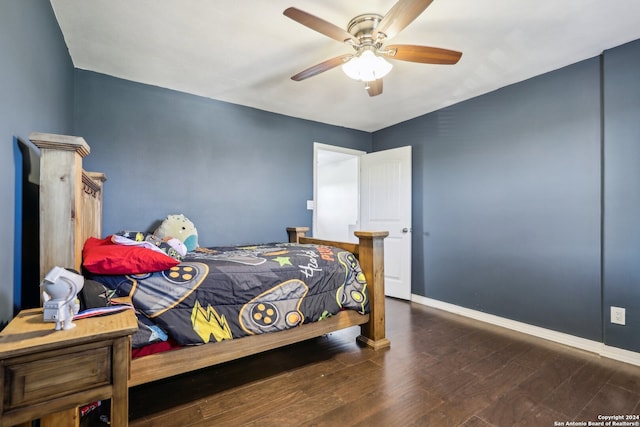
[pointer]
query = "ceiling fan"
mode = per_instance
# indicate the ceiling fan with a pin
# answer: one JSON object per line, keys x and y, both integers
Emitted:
{"x": 367, "y": 34}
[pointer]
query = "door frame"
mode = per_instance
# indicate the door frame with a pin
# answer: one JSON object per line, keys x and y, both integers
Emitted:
{"x": 318, "y": 146}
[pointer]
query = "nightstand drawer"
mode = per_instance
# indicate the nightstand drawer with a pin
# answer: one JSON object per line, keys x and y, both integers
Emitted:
{"x": 48, "y": 375}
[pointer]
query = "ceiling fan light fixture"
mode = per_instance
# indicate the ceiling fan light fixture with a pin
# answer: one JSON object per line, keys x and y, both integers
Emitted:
{"x": 367, "y": 66}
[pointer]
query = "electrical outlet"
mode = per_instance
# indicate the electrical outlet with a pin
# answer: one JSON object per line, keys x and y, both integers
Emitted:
{"x": 618, "y": 315}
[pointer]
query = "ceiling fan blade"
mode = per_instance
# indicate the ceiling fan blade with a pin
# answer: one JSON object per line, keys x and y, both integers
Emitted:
{"x": 400, "y": 15}
{"x": 318, "y": 24}
{"x": 423, "y": 54}
{"x": 322, "y": 67}
{"x": 374, "y": 88}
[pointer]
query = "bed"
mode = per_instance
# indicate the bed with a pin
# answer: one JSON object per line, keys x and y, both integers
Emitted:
{"x": 70, "y": 213}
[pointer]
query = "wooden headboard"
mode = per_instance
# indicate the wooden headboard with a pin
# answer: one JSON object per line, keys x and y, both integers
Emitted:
{"x": 70, "y": 200}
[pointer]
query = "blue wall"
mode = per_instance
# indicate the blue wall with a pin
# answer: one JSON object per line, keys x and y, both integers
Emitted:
{"x": 507, "y": 200}
{"x": 36, "y": 87}
{"x": 240, "y": 174}
{"x": 622, "y": 192}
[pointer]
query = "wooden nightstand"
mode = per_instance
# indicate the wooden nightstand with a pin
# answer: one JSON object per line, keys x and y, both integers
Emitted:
{"x": 44, "y": 371}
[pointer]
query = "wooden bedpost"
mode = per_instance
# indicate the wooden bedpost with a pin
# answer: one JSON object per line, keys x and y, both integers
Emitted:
{"x": 371, "y": 257}
{"x": 296, "y": 232}
{"x": 60, "y": 199}
{"x": 70, "y": 200}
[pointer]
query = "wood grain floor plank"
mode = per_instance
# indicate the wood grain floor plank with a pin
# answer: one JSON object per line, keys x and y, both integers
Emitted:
{"x": 573, "y": 394}
{"x": 610, "y": 399}
{"x": 300, "y": 412}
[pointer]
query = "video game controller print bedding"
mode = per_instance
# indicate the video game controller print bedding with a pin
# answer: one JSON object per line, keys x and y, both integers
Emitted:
{"x": 229, "y": 292}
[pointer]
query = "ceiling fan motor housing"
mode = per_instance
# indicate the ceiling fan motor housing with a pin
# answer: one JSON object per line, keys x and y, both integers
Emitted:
{"x": 362, "y": 28}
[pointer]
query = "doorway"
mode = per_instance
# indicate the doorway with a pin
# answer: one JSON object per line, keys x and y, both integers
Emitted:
{"x": 336, "y": 193}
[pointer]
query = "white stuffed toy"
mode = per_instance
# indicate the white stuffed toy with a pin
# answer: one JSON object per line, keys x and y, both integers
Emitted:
{"x": 179, "y": 227}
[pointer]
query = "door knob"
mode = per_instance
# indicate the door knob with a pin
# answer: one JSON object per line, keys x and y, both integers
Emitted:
{"x": 405, "y": 230}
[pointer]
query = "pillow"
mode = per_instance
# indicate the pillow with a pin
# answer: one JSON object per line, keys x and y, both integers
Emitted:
{"x": 181, "y": 228}
{"x": 170, "y": 245}
{"x": 102, "y": 256}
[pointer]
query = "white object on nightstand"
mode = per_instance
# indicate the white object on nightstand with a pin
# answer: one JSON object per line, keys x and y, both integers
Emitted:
{"x": 60, "y": 288}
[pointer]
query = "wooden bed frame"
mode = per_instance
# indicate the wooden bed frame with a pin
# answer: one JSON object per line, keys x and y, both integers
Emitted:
{"x": 71, "y": 211}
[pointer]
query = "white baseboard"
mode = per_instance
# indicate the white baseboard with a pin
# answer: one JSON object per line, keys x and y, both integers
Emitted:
{"x": 599, "y": 348}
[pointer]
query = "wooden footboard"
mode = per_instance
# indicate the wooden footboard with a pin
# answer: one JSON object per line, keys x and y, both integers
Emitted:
{"x": 370, "y": 253}
{"x": 71, "y": 212}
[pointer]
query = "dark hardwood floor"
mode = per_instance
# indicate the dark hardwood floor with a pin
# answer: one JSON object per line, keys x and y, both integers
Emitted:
{"x": 441, "y": 370}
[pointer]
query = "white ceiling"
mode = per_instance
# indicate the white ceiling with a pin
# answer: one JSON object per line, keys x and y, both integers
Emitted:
{"x": 244, "y": 52}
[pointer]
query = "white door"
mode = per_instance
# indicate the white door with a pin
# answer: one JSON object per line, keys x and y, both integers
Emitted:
{"x": 385, "y": 205}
